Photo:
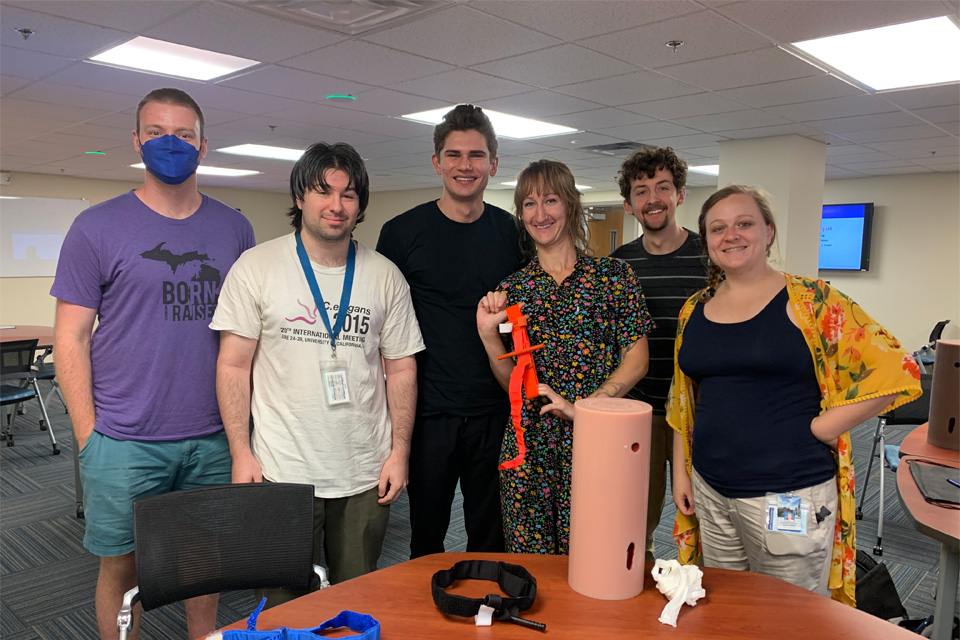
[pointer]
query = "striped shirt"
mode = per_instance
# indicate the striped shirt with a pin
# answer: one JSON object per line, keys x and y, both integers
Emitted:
{"x": 667, "y": 281}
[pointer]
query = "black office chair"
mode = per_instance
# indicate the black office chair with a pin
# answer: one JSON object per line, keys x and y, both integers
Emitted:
{"x": 925, "y": 355}
{"x": 202, "y": 541}
{"x": 912, "y": 413}
{"x": 16, "y": 364}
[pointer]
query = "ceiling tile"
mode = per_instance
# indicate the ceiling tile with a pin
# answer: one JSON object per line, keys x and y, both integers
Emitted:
{"x": 769, "y": 132}
{"x": 135, "y": 16}
{"x": 742, "y": 69}
{"x": 294, "y": 84}
{"x": 9, "y": 84}
{"x": 322, "y": 115}
{"x": 135, "y": 84}
{"x": 220, "y": 96}
{"x": 928, "y": 144}
{"x": 392, "y": 127}
{"x": 28, "y": 64}
{"x": 462, "y": 36}
{"x": 817, "y": 87}
{"x": 45, "y": 110}
{"x": 649, "y": 131}
{"x": 896, "y": 171}
{"x": 938, "y": 115}
{"x": 565, "y": 64}
{"x": 366, "y": 62}
{"x": 832, "y": 108}
{"x": 697, "y": 141}
{"x": 863, "y": 123}
{"x": 54, "y": 93}
{"x": 704, "y": 35}
{"x": 800, "y": 20}
{"x": 600, "y": 119}
{"x": 859, "y": 158}
{"x": 894, "y": 134}
{"x": 629, "y": 88}
{"x": 540, "y": 104}
{"x": 699, "y": 104}
{"x": 923, "y": 156}
{"x": 461, "y": 85}
{"x": 573, "y": 19}
{"x": 938, "y": 96}
{"x": 837, "y": 173}
{"x": 394, "y": 103}
{"x": 55, "y": 36}
{"x": 240, "y": 32}
{"x": 746, "y": 119}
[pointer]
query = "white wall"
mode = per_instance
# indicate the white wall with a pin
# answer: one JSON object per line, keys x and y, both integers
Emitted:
{"x": 914, "y": 279}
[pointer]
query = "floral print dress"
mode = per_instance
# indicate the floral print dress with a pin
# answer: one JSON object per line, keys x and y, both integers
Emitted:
{"x": 854, "y": 359}
{"x": 584, "y": 324}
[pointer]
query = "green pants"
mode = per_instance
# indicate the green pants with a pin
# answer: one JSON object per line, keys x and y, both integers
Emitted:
{"x": 347, "y": 535}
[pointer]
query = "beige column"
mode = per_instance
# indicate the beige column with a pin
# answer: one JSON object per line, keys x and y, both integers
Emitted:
{"x": 791, "y": 169}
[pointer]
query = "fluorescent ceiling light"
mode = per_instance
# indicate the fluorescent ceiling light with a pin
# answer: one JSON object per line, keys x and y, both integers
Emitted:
{"x": 263, "y": 151}
{"x": 214, "y": 171}
{"x": 505, "y": 124}
{"x": 166, "y": 58}
{"x": 513, "y": 183}
{"x": 709, "y": 169}
{"x": 9, "y": 197}
{"x": 902, "y": 55}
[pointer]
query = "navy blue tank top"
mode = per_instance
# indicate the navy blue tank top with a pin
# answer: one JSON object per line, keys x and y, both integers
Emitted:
{"x": 758, "y": 394}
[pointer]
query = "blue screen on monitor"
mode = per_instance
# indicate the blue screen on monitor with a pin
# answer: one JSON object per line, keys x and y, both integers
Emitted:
{"x": 845, "y": 236}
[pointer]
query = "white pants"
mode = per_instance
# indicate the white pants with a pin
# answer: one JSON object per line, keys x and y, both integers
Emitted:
{"x": 734, "y": 535}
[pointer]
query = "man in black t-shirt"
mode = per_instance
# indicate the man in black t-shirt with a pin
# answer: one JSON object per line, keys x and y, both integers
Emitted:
{"x": 452, "y": 251}
{"x": 666, "y": 261}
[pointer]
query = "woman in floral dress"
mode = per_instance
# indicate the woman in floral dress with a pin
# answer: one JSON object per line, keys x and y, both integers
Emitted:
{"x": 590, "y": 315}
{"x": 771, "y": 372}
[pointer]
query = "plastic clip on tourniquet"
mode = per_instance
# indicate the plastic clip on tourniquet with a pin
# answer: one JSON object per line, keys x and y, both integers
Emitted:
{"x": 367, "y": 628}
{"x": 523, "y": 379}
{"x": 513, "y": 579}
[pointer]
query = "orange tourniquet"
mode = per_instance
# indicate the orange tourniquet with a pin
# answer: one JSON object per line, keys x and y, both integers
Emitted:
{"x": 523, "y": 379}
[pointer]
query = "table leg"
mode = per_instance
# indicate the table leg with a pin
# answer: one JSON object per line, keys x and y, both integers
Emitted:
{"x": 946, "y": 592}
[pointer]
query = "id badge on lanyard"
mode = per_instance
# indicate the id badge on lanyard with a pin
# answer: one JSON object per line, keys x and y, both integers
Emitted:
{"x": 333, "y": 371}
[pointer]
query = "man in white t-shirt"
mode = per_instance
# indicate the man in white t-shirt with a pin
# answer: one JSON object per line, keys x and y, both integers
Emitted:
{"x": 313, "y": 315}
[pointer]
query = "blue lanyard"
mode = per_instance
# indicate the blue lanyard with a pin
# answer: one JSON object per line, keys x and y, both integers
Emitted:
{"x": 318, "y": 297}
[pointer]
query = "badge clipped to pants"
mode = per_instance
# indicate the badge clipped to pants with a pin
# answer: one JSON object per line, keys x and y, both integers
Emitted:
{"x": 786, "y": 513}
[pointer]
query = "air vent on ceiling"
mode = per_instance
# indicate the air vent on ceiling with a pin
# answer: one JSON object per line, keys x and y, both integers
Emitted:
{"x": 350, "y": 17}
{"x": 615, "y": 148}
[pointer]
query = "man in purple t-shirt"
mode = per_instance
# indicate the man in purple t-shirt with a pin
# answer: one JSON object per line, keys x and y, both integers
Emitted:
{"x": 141, "y": 390}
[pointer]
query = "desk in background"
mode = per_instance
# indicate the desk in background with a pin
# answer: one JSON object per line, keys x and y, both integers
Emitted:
{"x": 43, "y": 334}
{"x": 941, "y": 524}
{"x": 737, "y": 605}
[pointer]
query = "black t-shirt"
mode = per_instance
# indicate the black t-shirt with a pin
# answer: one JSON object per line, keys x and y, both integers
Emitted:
{"x": 757, "y": 395}
{"x": 667, "y": 281}
{"x": 449, "y": 266}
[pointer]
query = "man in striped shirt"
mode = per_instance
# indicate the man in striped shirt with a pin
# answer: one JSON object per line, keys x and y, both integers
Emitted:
{"x": 666, "y": 261}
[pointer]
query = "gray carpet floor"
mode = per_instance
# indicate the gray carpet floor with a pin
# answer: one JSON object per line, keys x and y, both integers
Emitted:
{"x": 47, "y": 579}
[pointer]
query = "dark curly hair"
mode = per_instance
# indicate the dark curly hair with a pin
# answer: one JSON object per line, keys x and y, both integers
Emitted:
{"x": 308, "y": 173}
{"x": 465, "y": 117}
{"x": 646, "y": 162}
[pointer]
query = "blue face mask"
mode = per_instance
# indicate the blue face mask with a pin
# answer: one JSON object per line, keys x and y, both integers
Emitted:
{"x": 171, "y": 159}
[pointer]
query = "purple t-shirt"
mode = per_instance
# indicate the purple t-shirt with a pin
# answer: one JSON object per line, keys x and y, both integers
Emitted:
{"x": 155, "y": 282}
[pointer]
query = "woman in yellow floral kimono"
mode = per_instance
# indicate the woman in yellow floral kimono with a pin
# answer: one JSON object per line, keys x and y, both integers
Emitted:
{"x": 771, "y": 372}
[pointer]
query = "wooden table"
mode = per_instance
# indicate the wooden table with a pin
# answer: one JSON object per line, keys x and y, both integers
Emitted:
{"x": 737, "y": 605}
{"x": 43, "y": 334}
{"x": 915, "y": 444}
{"x": 940, "y": 524}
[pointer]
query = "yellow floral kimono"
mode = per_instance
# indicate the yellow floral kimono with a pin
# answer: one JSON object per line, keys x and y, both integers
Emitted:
{"x": 855, "y": 359}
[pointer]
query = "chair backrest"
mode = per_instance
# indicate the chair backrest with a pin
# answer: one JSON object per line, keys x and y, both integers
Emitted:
{"x": 241, "y": 536}
{"x": 938, "y": 330}
{"x": 916, "y": 412}
{"x": 16, "y": 358}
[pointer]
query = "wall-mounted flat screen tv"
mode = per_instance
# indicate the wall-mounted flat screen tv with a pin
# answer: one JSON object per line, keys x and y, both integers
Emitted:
{"x": 845, "y": 236}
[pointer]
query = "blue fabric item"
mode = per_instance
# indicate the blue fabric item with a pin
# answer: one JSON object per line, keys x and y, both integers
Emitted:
{"x": 367, "y": 628}
{"x": 892, "y": 453}
{"x": 171, "y": 159}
